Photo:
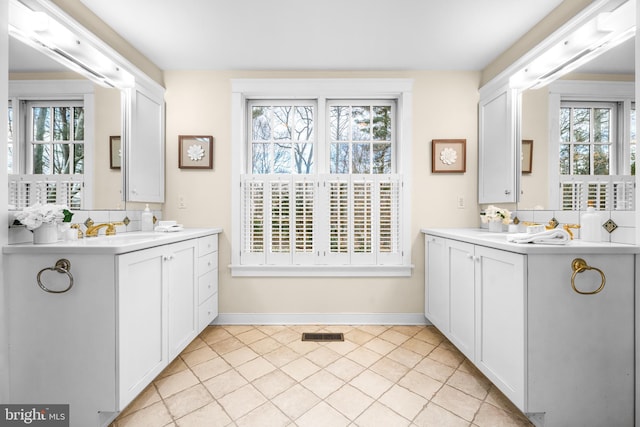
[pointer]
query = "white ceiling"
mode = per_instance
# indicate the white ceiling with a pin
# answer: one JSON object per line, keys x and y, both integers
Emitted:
{"x": 322, "y": 35}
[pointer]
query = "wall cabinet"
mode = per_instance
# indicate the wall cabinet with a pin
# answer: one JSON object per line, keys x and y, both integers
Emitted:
{"x": 143, "y": 130}
{"x": 550, "y": 350}
{"x": 128, "y": 315}
{"x": 498, "y": 152}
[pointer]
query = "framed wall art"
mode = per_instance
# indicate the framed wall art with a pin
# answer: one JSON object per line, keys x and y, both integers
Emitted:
{"x": 195, "y": 152}
{"x": 115, "y": 152}
{"x": 448, "y": 155}
{"x": 527, "y": 155}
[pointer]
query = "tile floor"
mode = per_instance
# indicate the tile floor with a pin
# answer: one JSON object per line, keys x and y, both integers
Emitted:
{"x": 262, "y": 376}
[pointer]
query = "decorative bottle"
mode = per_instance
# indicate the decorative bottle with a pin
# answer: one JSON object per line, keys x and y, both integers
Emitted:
{"x": 590, "y": 225}
{"x": 146, "y": 219}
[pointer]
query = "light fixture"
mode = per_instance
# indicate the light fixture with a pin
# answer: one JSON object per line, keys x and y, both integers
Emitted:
{"x": 596, "y": 36}
{"x": 42, "y": 32}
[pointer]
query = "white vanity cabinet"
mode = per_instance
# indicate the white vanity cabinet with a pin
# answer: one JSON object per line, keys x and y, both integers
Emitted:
{"x": 436, "y": 293}
{"x": 562, "y": 357}
{"x": 500, "y": 319}
{"x": 207, "y": 309}
{"x": 131, "y": 310}
{"x": 476, "y": 294}
{"x": 156, "y": 312}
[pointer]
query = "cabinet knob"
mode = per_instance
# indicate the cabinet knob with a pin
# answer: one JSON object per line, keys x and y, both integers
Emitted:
{"x": 469, "y": 256}
{"x": 507, "y": 192}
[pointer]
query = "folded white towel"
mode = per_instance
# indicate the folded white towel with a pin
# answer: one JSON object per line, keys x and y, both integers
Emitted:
{"x": 169, "y": 228}
{"x": 556, "y": 236}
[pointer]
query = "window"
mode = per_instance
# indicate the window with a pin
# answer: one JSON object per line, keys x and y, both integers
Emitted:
{"x": 321, "y": 188}
{"x": 587, "y": 136}
{"x": 49, "y": 143}
{"x": 595, "y": 134}
{"x": 56, "y": 137}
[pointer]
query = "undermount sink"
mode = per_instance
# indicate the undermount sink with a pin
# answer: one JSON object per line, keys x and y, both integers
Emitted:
{"x": 124, "y": 238}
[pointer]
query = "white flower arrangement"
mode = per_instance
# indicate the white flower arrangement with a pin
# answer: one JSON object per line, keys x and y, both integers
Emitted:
{"x": 493, "y": 213}
{"x": 35, "y": 215}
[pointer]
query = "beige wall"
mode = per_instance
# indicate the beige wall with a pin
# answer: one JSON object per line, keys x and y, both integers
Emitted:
{"x": 444, "y": 106}
{"x": 107, "y": 188}
{"x": 535, "y": 126}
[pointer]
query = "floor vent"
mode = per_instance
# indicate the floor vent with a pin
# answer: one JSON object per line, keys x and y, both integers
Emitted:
{"x": 312, "y": 336}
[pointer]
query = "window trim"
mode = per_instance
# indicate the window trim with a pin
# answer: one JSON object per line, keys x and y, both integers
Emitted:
{"x": 244, "y": 89}
{"x": 584, "y": 90}
{"x": 58, "y": 90}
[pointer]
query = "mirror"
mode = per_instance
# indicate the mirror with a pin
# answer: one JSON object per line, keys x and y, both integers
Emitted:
{"x": 26, "y": 63}
{"x": 617, "y": 64}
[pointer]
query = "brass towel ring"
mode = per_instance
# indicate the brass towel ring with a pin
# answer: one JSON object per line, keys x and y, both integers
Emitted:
{"x": 579, "y": 265}
{"x": 62, "y": 266}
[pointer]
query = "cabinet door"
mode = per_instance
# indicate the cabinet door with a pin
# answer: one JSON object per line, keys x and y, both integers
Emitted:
{"x": 436, "y": 293}
{"x": 179, "y": 261}
{"x": 500, "y": 321}
{"x": 497, "y": 149}
{"x": 142, "y": 347}
{"x": 462, "y": 296}
{"x": 144, "y": 143}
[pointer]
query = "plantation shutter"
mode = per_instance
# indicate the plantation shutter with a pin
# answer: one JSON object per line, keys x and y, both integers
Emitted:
{"x": 389, "y": 220}
{"x": 28, "y": 189}
{"x": 253, "y": 221}
{"x": 279, "y": 220}
{"x": 337, "y": 219}
{"x": 362, "y": 234}
{"x": 607, "y": 192}
{"x": 305, "y": 188}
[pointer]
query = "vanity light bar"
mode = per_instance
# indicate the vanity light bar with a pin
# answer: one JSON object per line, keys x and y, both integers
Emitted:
{"x": 605, "y": 31}
{"x": 40, "y": 31}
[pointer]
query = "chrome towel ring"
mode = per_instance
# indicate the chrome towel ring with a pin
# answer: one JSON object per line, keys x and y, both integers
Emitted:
{"x": 63, "y": 266}
{"x": 579, "y": 265}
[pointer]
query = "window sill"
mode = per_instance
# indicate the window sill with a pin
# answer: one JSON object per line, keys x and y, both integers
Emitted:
{"x": 321, "y": 270}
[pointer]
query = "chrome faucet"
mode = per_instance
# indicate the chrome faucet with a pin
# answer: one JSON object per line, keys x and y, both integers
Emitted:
{"x": 92, "y": 230}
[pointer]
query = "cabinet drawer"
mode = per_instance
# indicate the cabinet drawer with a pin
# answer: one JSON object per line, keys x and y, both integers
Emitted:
{"x": 207, "y": 263}
{"x": 208, "y": 285}
{"x": 207, "y": 244}
{"x": 208, "y": 311}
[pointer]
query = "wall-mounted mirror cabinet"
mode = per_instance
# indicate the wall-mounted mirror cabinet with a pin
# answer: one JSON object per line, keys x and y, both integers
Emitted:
{"x": 581, "y": 132}
{"x": 86, "y": 126}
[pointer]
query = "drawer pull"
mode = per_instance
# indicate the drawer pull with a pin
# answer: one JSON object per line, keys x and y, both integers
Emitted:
{"x": 579, "y": 265}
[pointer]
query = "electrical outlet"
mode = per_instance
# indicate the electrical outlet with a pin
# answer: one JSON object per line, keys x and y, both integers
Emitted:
{"x": 460, "y": 202}
{"x": 181, "y": 203}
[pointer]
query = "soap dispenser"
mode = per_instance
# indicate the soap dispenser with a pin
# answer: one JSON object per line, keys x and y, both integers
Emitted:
{"x": 590, "y": 224}
{"x": 147, "y": 219}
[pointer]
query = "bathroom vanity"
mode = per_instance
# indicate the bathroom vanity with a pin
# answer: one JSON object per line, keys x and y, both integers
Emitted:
{"x": 555, "y": 335}
{"x": 94, "y": 321}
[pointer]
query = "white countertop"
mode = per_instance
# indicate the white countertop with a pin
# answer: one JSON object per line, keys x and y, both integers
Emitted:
{"x": 118, "y": 244}
{"x": 484, "y": 237}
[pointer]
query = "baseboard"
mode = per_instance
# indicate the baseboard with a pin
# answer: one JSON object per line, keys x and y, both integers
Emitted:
{"x": 321, "y": 319}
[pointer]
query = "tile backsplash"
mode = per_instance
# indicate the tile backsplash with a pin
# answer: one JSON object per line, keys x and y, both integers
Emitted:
{"x": 19, "y": 234}
{"x": 625, "y": 221}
